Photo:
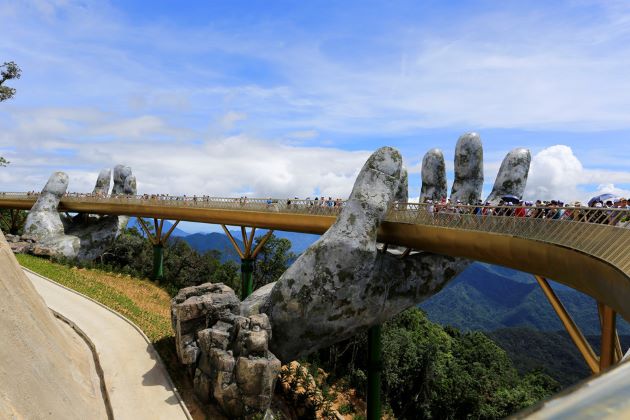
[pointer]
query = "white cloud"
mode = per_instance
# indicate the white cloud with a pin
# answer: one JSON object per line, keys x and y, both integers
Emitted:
{"x": 214, "y": 165}
{"x": 556, "y": 173}
{"x": 229, "y": 120}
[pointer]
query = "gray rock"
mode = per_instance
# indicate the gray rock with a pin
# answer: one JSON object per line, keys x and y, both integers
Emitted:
{"x": 202, "y": 384}
{"x": 12, "y": 238}
{"x": 21, "y": 247}
{"x": 433, "y": 176}
{"x": 468, "y": 169}
{"x": 233, "y": 365}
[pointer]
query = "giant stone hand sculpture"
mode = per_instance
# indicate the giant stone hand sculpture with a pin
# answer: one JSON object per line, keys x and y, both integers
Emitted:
{"x": 82, "y": 236}
{"x": 342, "y": 283}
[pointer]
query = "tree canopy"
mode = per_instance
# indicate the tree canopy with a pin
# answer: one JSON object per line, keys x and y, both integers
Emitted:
{"x": 9, "y": 70}
{"x": 274, "y": 258}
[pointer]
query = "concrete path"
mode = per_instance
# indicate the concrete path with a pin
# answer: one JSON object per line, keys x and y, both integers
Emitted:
{"x": 137, "y": 382}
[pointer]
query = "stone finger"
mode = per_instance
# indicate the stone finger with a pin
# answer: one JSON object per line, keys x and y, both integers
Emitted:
{"x": 468, "y": 181}
{"x": 121, "y": 173}
{"x": 402, "y": 194}
{"x": 103, "y": 182}
{"x": 43, "y": 220}
{"x": 433, "y": 176}
{"x": 129, "y": 186}
{"x": 374, "y": 190}
{"x": 512, "y": 176}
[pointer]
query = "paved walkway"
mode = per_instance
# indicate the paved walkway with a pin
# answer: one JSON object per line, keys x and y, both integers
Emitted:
{"x": 138, "y": 385}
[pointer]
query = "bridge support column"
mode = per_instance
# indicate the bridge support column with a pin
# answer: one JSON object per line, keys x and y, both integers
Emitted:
{"x": 248, "y": 257}
{"x": 610, "y": 351}
{"x": 375, "y": 367}
{"x": 158, "y": 240}
{"x": 576, "y": 335}
{"x": 158, "y": 262}
{"x": 247, "y": 283}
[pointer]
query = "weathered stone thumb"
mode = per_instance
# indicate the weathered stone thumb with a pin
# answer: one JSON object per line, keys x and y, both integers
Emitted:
{"x": 43, "y": 220}
{"x": 374, "y": 190}
{"x": 512, "y": 177}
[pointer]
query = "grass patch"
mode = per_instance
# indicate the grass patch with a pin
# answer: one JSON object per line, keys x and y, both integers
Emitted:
{"x": 143, "y": 302}
{"x": 140, "y": 300}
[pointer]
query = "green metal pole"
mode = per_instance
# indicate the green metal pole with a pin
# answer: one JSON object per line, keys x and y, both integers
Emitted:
{"x": 375, "y": 366}
{"x": 158, "y": 262}
{"x": 247, "y": 284}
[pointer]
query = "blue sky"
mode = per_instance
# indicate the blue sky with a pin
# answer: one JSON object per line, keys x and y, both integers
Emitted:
{"x": 288, "y": 98}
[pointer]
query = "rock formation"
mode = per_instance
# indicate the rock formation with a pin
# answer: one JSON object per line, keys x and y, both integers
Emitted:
{"x": 229, "y": 353}
{"x": 44, "y": 371}
{"x": 83, "y": 236}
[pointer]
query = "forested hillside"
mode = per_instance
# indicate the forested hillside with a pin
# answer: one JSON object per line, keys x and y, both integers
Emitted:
{"x": 487, "y": 298}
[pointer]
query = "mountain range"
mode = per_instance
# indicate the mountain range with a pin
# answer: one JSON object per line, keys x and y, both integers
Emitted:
{"x": 488, "y": 297}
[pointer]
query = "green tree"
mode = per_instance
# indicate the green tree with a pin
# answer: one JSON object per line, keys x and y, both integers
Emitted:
{"x": 434, "y": 372}
{"x": 131, "y": 253}
{"x": 273, "y": 260}
{"x": 11, "y": 220}
{"x": 9, "y": 70}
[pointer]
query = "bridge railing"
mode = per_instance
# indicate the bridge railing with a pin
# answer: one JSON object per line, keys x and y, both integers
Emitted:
{"x": 447, "y": 215}
{"x": 601, "y": 232}
{"x": 473, "y": 217}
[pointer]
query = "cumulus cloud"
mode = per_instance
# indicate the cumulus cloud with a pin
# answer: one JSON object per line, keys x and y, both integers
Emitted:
{"x": 556, "y": 173}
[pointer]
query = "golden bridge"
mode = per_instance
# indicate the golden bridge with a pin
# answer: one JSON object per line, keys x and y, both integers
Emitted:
{"x": 584, "y": 248}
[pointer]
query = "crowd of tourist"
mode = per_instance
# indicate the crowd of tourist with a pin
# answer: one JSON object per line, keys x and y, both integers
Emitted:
{"x": 553, "y": 209}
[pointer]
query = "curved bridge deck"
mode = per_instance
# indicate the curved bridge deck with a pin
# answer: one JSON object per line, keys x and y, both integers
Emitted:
{"x": 585, "y": 248}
